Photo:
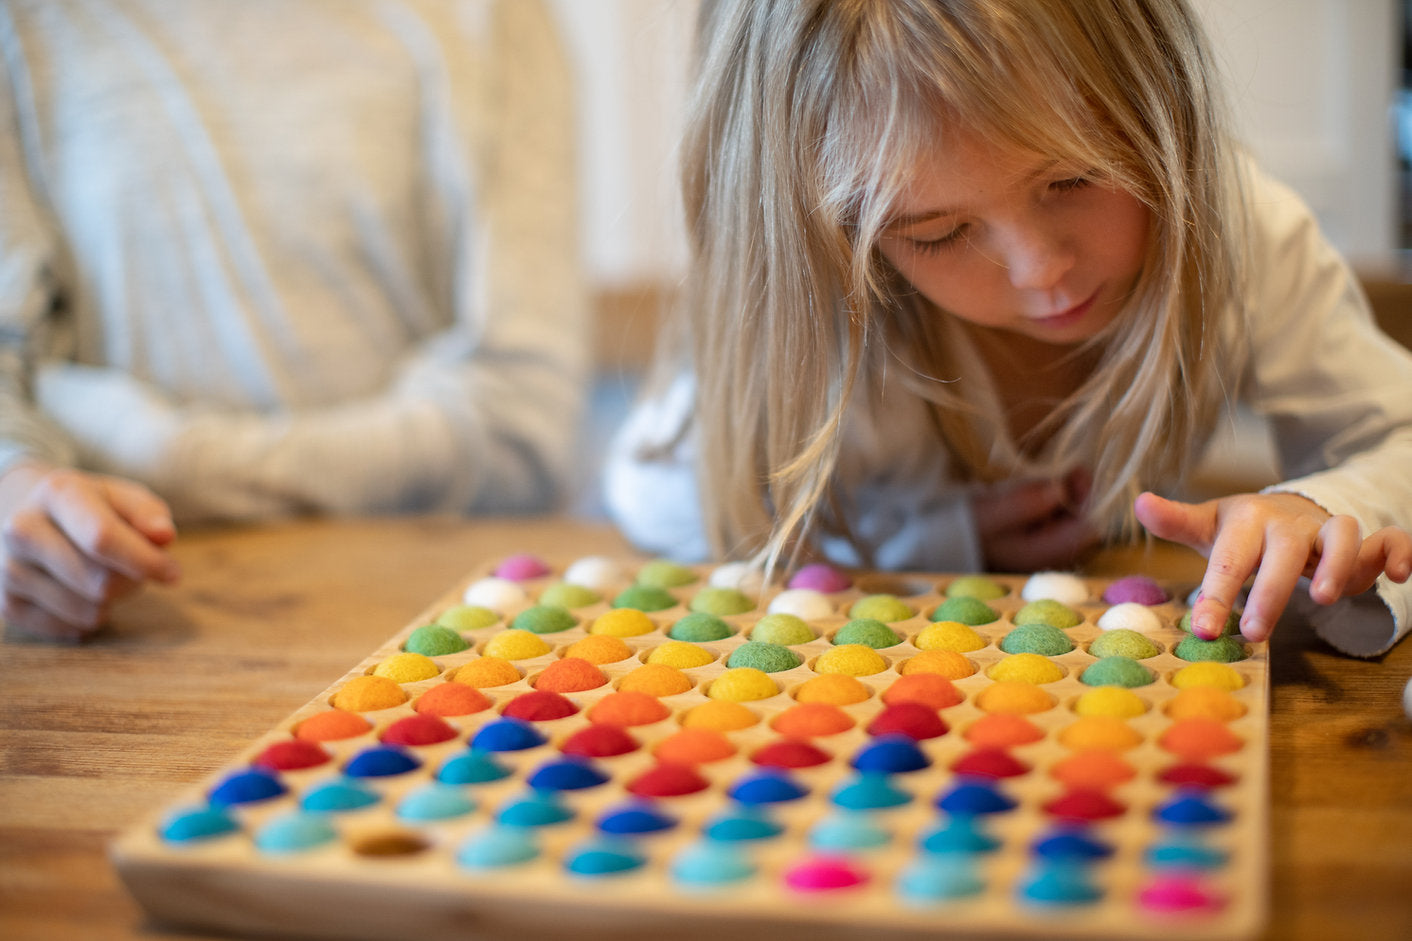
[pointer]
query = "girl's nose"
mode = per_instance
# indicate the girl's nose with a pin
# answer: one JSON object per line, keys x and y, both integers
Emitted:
{"x": 1036, "y": 258}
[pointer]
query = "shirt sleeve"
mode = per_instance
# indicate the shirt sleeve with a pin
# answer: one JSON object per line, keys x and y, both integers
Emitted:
{"x": 481, "y": 417}
{"x": 27, "y": 290}
{"x": 1338, "y": 395}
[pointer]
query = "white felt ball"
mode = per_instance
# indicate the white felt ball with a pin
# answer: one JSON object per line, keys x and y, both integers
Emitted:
{"x": 1407, "y": 699}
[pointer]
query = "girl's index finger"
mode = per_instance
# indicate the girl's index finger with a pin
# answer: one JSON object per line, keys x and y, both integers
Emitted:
{"x": 1231, "y": 562}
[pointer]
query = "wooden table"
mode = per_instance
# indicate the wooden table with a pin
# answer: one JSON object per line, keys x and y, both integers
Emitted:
{"x": 96, "y": 737}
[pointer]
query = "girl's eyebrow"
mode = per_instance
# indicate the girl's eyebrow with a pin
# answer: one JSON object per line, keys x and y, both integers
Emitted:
{"x": 929, "y": 215}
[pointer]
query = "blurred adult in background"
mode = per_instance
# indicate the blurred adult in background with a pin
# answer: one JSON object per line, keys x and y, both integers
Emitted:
{"x": 261, "y": 259}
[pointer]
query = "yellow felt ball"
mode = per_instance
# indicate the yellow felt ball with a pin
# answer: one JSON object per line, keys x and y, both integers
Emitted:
{"x": 407, "y": 668}
{"x": 1026, "y": 668}
{"x": 623, "y": 622}
{"x": 851, "y": 660}
{"x": 681, "y": 654}
{"x": 948, "y": 635}
{"x": 1208, "y": 673}
{"x": 1117, "y": 701}
{"x": 743, "y": 684}
{"x": 515, "y": 644}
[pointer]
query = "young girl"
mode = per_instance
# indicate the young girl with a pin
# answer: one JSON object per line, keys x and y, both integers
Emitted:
{"x": 970, "y": 278}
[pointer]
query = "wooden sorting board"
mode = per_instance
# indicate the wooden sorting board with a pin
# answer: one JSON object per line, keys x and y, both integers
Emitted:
{"x": 384, "y": 876}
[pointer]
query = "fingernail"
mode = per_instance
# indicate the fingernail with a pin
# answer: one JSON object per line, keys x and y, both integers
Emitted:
{"x": 1205, "y": 627}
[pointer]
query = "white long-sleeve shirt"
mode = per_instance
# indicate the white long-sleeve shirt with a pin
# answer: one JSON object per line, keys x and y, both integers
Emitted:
{"x": 273, "y": 257}
{"x": 1337, "y": 393}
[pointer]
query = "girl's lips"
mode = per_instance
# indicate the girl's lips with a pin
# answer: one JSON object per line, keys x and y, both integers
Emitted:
{"x": 1067, "y": 318}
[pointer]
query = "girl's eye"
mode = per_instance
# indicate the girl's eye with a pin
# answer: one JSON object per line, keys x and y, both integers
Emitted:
{"x": 933, "y": 246}
{"x": 1073, "y": 183}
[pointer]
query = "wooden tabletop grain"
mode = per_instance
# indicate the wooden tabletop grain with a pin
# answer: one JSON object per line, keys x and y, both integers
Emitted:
{"x": 97, "y": 737}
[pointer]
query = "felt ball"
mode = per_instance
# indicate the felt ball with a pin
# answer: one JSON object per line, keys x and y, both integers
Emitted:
{"x": 599, "y": 649}
{"x": 655, "y": 679}
{"x": 1002, "y": 730}
{"x": 522, "y": 567}
{"x": 850, "y": 660}
{"x": 1110, "y": 701}
{"x": 869, "y": 632}
{"x": 1135, "y": 589}
{"x": 597, "y": 572}
{"x": 769, "y": 658}
{"x": 931, "y": 689}
{"x": 804, "y": 603}
{"x": 971, "y": 611}
{"x": 721, "y": 602}
{"x": 486, "y": 671}
{"x": 781, "y": 628}
{"x": 880, "y": 607}
{"x": 570, "y": 675}
{"x": 332, "y": 725}
{"x": 498, "y": 594}
{"x": 1048, "y": 611}
{"x": 1014, "y": 697}
{"x": 1122, "y": 642}
{"x": 1208, "y": 673}
{"x": 628, "y": 708}
{"x": 722, "y": 715}
{"x": 682, "y": 655}
{"x": 700, "y": 627}
{"x": 1205, "y": 702}
{"x": 515, "y": 644}
{"x": 840, "y": 689}
{"x": 569, "y": 595}
{"x": 947, "y": 663}
{"x": 544, "y": 619}
{"x": 467, "y": 617}
{"x": 644, "y": 598}
{"x": 1061, "y": 587}
{"x": 949, "y": 635}
{"x": 1130, "y": 616}
{"x": 1045, "y": 640}
{"x": 622, "y": 622}
{"x": 742, "y": 684}
{"x": 663, "y": 573}
{"x": 741, "y": 576}
{"x": 434, "y": 640}
{"x": 451, "y": 699}
{"x": 1229, "y": 629}
{"x": 369, "y": 693}
{"x": 407, "y": 668}
{"x": 1116, "y": 671}
{"x": 819, "y": 576}
{"x": 812, "y": 719}
{"x": 1107, "y": 732}
{"x": 694, "y": 746}
{"x": 976, "y": 586}
{"x": 1026, "y": 668}
{"x": 1225, "y": 649}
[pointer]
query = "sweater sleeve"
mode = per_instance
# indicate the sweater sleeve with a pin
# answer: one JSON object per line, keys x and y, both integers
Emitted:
{"x": 480, "y": 417}
{"x": 1338, "y": 394}
{"x": 27, "y": 289}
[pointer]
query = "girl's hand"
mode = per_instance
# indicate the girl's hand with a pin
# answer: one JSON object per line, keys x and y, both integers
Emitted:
{"x": 74, "y": 543}
{"x": 1028, "y": 526}
{"x": 1275, "y": 537}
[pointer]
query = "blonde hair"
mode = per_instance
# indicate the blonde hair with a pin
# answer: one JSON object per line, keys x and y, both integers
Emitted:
{"x": 805, "y": 119}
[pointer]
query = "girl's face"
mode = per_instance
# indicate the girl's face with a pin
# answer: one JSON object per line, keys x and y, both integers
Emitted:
{"x": 1014, "y": 241}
